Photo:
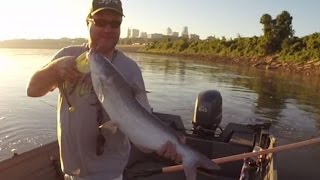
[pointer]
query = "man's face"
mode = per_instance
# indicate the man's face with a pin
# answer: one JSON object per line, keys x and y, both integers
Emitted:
{"x": 104, "y": 29}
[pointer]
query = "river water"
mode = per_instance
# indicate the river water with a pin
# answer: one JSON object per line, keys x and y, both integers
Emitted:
{"x": 289, "y": 101}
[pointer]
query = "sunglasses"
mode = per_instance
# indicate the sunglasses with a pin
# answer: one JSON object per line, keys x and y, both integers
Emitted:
{"x": 103, "y": 23}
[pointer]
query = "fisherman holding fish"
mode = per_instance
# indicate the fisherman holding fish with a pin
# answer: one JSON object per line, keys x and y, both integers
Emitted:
{"x": 91, "y": 146}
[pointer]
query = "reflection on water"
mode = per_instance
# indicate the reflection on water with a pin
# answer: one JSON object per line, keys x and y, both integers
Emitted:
{"x": 250, "y": 95}
{"x": 291, "y": 103}
{"x": 25, "y": 122}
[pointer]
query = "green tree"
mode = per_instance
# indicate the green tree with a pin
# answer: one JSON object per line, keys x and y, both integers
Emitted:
{"x": 284, "y": 26}
{"x": 276, "y": 31}
{"x": 267, "y": 22}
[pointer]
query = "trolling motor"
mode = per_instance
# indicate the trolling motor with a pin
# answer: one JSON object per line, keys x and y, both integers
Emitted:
{"x": 207, "y": 113}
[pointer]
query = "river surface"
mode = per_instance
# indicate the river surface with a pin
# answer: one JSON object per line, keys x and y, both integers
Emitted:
{"x": 290, "y": 102}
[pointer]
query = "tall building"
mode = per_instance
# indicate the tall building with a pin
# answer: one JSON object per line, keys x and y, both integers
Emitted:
{"x": 169, "y": 31}
{"x": 135, "y": 33}
{"x": 175, "y": 34}
{"x": 129, "y": 33}
{"x": 143, "y": 35}
{"x": 194, "y": 37}
{"x": 185, "y": 32}
{"x": 155, "y": 36}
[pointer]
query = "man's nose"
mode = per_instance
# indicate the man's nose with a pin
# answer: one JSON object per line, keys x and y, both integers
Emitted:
{"x": 108, "y": 28}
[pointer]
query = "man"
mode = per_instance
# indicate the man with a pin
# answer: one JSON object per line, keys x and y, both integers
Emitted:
{"x": 87, "y": 151}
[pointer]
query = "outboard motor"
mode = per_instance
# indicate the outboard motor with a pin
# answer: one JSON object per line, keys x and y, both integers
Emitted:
{"x": 207, "y": 113}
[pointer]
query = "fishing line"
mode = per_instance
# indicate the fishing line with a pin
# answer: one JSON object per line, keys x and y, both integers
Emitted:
{"x": 48, "y": 104}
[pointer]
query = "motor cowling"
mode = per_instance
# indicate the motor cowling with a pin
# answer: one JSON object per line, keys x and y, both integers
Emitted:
{"x": 208, "y": 110}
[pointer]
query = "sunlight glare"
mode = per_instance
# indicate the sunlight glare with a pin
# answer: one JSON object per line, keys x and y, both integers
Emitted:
{"x": 42, "y": 19}
{"x": 5, "y": 65}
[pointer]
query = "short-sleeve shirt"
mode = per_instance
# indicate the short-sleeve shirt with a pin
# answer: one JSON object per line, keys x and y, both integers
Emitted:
{"x": 77, "y": 131}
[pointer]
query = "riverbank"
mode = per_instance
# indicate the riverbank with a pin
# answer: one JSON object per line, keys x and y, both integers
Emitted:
{"x": 130, "y": 48}
{"x": 269, "y": 63}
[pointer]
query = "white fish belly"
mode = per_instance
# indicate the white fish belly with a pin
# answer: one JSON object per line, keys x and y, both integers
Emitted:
{"x": 141, "y": 132}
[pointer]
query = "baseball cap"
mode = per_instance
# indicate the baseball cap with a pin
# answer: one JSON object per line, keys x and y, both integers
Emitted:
{"x": 99, "y": 5}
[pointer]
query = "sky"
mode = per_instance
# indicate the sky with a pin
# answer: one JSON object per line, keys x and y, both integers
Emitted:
{"x": 32, "y": 19}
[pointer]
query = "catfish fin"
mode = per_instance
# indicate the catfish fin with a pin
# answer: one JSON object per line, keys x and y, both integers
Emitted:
{"x": 190, "y": 165}
{"x": 206, "y": 163}
{"x": 137, "y": 90}
{"x": 190, "y": 169}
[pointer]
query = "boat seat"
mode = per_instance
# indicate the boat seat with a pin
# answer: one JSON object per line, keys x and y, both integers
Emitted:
{"x": 234, "y": 131}
{"x": 174, "y": 121}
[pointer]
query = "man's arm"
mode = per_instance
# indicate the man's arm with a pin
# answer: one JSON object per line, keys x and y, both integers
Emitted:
{"x": 43, "y": 81}
{"x": 47, "y": 78}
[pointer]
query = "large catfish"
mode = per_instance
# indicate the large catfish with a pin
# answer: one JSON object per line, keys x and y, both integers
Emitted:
{"x": 143, "y": 128}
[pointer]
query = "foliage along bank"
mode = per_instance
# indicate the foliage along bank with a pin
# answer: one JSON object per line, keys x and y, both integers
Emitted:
{"x": 277, "y": 47}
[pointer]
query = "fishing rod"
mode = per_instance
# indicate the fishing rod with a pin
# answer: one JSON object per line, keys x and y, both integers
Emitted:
{"x": 232, "y": 158}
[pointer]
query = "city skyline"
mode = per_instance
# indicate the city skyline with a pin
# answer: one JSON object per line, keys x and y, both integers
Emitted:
{"x": 134, "y": 32}
{"x": 35, "y": 19}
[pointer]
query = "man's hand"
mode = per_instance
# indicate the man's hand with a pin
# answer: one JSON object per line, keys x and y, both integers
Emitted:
{"x": 66, "y": 69}
{"x": 169, "y": 150}
{"x": 49, "y": 77}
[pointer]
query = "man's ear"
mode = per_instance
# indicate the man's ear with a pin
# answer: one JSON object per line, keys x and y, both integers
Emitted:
{"x": 87, "y": 19}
